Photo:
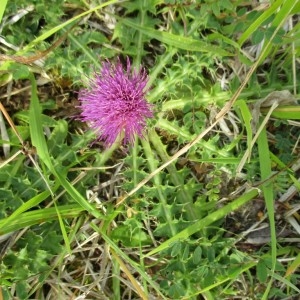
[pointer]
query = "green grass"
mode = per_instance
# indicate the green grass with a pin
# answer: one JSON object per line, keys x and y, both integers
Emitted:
{"x": 170, "y": 216}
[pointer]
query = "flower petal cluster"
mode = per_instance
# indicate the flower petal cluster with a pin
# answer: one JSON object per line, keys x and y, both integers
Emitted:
{"x": 114, "y": 103}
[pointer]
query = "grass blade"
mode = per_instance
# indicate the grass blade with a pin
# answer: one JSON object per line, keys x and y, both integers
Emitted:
{"x": 39, "y": 141}
{"x": 253, "y": 27}
{"x": 267, "y": 188}
{"x": 2, "y": 8}
{"x": 178, "y": 41}
{"x": 199, "y": 225}
{"x": 39, "y": 216}
{"x": 53, "y": 30}
{"x": 127, "y": 259}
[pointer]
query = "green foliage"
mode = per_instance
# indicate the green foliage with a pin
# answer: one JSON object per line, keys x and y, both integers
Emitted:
{"x": 23, "y": 193}
{"x": 30, "y": 257}
{"x": 196, "y": 53}
{"x": 131, "y": 234}
{"x": 41, "y": 15}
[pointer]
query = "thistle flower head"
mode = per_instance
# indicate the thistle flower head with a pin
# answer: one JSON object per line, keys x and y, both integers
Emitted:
{"x": 114, "y": 103}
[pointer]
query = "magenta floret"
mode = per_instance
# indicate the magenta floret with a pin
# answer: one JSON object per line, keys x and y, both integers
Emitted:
{"x": 114, "y": 102}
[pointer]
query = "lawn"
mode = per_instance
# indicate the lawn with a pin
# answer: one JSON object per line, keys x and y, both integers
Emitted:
{"x": 149, "y": 149}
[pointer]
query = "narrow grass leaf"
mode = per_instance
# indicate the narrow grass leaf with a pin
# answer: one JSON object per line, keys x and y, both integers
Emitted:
{"x": 267, "y": 188}
{"x": 178, "y": 41}
{"x": 39, "y": 141}
{"x": 213, "y": 217}
{"x": 53, "y": 30}
{"x": 293, "y": 266}
{"x": 63, "y": 229}
{"x": 284, "y": 12}
{"x": 122, "y": 255}
{"x": 25, "y": 207}
{"x": 2, "y": 8}
{"x": 254, "y": 139}
{"x": 285, "y": 112}
{"x": 116, "y": 283}
{"x": 76, "y": 196}
{"x": 262, "y": 18}
{"x": 296, "y": 9}
{"x": 36, "y": 125}
{"x": 225, "y": 160}
{"x": 247, "y": 117}
{"x": 280, "y": 18}
{"x": 39, "y": 216}
{"x": 286, "y": 282}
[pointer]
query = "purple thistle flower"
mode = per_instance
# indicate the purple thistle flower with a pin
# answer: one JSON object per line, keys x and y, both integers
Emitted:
{"x": 114, "y": 102}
